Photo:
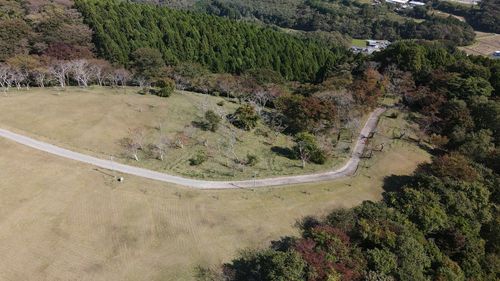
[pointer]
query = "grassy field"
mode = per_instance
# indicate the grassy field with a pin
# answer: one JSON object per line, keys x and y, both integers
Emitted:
{"x": 358, "y": 43}
{"x": 94, "y": 121}
{"x": 486, "y": 44}
{"x": 446, "y": 15}
{"x": 63, "y": 220}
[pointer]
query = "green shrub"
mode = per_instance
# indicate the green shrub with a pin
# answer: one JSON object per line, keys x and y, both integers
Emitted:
{"x": 252, "y": 160}
{"x": 306, "y": 143}
{"x": 164, "y": 92}
{"x": 212, "y": 121}
{"x": 245, "y": 117}
{"x": 198, "y": 159}
{"x": 393, "y": 115}
{"x": 166, "y": 87}
{"x": 144, "y": 92}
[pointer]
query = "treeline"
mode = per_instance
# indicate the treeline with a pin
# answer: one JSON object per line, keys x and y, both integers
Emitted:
{"x": 381, "y": 22}
{"x": 443, "y": 222}
{"x": 353, "y": 18}
{"x": 24, "y": 71}
{"x": 487, "y": 17}
{"x": 220, "y": 44}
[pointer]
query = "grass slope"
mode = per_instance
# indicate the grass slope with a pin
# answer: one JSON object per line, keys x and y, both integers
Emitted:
{"x": 94, "y": 121}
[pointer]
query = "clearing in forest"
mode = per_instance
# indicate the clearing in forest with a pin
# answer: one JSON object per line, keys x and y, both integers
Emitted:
{"x": 486, "y": 44}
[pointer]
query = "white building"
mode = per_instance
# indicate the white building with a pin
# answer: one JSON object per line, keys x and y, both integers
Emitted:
{"x": 416, "y": 3}
{"x": 399, "y": 2}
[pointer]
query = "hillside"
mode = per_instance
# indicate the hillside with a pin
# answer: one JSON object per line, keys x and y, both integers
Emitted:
{"x": 220, "y": 44}
{"x": 358, "y": 19}
{"x": 206, "y": 93}
{"x": 441, "y": 223}
{"x": 483, "y": 17}
{"x": 177, "y": 119}
{"x": 72, "y": 221}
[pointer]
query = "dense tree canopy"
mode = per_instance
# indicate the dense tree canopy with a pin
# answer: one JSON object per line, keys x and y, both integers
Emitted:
{"x": 487, "y": 17}
{"x": 47, "y": 28}
{"x": 484, "y": 17}
{"x": 357, "y": 19}
{"x": 222, "y": 45}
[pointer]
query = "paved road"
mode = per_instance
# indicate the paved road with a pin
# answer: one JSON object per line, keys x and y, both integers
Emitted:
{"x": 348, "y": 169}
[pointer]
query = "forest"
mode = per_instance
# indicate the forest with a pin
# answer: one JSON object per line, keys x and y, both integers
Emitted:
{"x": 220, "y": 44}
{"x": 351, "y": 18}
{"x": 441, "y": 223}
{"x": 485, "y": 17}
{"x": 45, "y": 29}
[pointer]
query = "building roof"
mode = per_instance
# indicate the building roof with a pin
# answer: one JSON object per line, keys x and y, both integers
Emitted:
{"x": 417, "y": 3}
{"x": 397, "y": 1}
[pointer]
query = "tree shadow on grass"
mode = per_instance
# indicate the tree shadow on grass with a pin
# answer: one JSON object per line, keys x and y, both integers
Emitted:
{"x": 394, "y": 183}
{"x": 284, "y": 151}
{"x": 200, "y": 124}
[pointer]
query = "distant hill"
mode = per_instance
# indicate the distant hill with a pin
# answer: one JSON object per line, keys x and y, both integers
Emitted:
{"x": 353, "y": 18}
{"x": 220, "y": 44}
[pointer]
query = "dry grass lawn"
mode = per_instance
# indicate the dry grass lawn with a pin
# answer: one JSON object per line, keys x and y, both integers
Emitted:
{"x": 62, "y": 220}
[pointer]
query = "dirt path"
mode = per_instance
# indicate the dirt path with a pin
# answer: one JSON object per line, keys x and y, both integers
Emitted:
{"x": 348, "y": 169}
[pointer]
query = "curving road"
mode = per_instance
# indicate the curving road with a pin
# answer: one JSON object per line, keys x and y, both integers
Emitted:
{"x": 348, "y": 169}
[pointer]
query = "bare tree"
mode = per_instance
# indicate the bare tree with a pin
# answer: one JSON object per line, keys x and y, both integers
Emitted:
{"x": 259, "y": 100}
{"x": 203, "y": 106}
{"x": 134, "y": 143}
{"x": 60, "y": 70}
{"x": 143, "y": 82}
{"x": 18, "y": 77}
{"x": 120, "y": 77}
{"x": 276, "y": 122}
{"x": 303, "y": 153}
{"x": 82, "y": 72}
{"x": 344, "y": 104}
{"x": 352, "y": 126}
{"x": 160, "y": 147}
{"x": 41, "y": 76}
{"x": 5, "y": 75}
{"x": 226, "y": 145}
{"x": 221, "y": 112}
{"x": 99, "y": 69}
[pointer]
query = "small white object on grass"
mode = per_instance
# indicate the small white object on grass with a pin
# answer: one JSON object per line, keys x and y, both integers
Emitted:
{"x": 121, "y": 179}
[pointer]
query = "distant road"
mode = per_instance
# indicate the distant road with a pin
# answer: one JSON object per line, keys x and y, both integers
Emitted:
{"x": 348, "y": 169}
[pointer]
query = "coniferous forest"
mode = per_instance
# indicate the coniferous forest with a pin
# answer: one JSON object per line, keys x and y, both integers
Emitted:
{"x": 357, "y": 19}
{"x": 219, "y": 44}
